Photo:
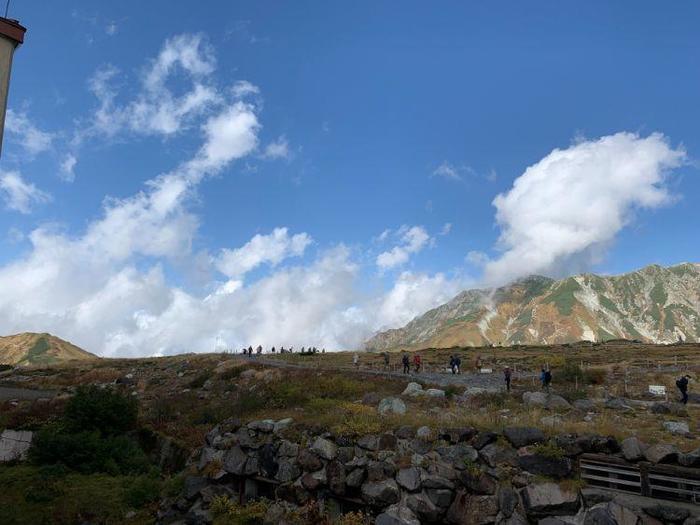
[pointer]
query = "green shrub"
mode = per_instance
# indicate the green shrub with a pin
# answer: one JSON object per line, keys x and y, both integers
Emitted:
{"x": 100, "y": 409}
{"x": 142, "y": 491}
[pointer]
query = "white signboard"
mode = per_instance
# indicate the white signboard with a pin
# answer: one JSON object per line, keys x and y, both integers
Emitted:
{"x": 486, "y": 371}
{"x": 657, "y": 390}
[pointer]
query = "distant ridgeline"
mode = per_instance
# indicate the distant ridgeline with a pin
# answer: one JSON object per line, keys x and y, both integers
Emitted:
{"x": 39, "y": 349}
{"x": 653, "y": 305}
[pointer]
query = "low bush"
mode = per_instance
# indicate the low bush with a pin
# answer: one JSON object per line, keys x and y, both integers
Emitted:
{"x": 227, "y": 512}
{"x": 100, "y": 409}
{"x": 142, "y": 491}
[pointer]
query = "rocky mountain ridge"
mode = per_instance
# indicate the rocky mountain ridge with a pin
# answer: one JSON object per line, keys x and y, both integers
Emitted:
{"x": 653, "y": 305}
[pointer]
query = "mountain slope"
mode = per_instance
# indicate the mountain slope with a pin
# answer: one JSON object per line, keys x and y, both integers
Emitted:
{"x": 654, "y": 305}
{"x": 39, "y": 349}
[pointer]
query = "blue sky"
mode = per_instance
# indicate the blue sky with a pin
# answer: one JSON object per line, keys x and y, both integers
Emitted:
{"x": 380, "y": 136}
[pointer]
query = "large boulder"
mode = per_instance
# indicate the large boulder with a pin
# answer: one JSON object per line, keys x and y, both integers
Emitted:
{"x": 235, "y": 461}
{"x": 325, "y": 448}
{"x": 478, "y": 482}
{"x": 618, "y": 403}
{"x": 599, "y": 515}
{"x": 549, "y": 466}
{"x": 495, "y": 455}
{"x": 381, "y": 493}
{"x": 535, "y": 399}
{"x": 549, "y": 499}
{"x": 665, "y": 407}
{"x": 409, "y": 478}
{"x": 523, "y": 436}
{"x": 661, "y": 453}
{"x": 435, "y": 392}
{"x": 423, "y": 507}
{"x": 585, "y": 405}
{"x": 391, "y": 405}
{"x": 632, "y": 449}
{"x": 309, "y": 461}
{"x": 397, "y": 515}
{"x": 413, "y": 390}
{"x": 468, "y": 509}
{"x": 507, "y": 501}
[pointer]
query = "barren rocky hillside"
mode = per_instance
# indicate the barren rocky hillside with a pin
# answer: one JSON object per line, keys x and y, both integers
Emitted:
{"x": 653, "y": 305}
{"x": 39, "y": 349}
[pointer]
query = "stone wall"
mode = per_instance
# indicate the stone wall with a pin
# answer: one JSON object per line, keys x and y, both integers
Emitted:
{"x": 424, "y": 475}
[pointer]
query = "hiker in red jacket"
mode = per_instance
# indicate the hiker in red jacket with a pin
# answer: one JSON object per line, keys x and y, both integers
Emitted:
{"x": 417, "y": 362}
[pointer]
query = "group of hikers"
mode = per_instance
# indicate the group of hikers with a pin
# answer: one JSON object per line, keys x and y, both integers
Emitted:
{"x": 304, "y": 351}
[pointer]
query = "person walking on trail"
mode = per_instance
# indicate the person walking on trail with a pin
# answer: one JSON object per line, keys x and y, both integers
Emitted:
{"x": 507, "y": 377}
{"x": 386, "y": 360}
{"x": 547, "y": 380}
{"x": 250, "y": 351}
{"x": 406, "y": 364}
{"x": 453, "y": 364}
{"x": 417, "y": 362}
{"x": 542, "y": 378}
{"x": 458, "y": 364}
{"x": 682, "y": 385}
{"x": 356, "y": 360}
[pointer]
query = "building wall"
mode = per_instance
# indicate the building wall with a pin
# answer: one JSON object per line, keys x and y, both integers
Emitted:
{"x": 7, "y": 48}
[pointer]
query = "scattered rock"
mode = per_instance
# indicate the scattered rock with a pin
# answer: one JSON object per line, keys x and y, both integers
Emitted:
{"x": 282, "y": 424}
{"x": 424, "y": 433}
{"x": 371, "y": 399}
{"x": 391, "y": 405}
{"x": 677, "y": 427}
{"x": 507, "y": 501}
{"x": 599, "y": 516}
{"x": 483, "y": 439}
{"x": 235, "y": 460}
{"x": 618, "y": 403}
{"x": 266, "y": 425}
{"x": 423, "y": 507}
{"x": 495, "y": 455}
{"x": 675, "y": 409}
{"x": 478, "y": 482}
{"x": 468, "y": 509}
{"x": 551, "y": 421}
{"x": 667, "y": 513}
{"x": 585, "y": 405}
{"x": 435, "y": 392}
{"x": 309, "y": 461}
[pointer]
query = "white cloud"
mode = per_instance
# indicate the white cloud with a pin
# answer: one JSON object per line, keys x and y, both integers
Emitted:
{"x": 67, "y": 167}
{"x": 447, "y": 171}
{"x": 111, "y": 29}
{"x": 26, "y": 133}
{"x": 243, "y": 88}
{"x": 563, "y": 212}
{"x": 271, "y": 249}
{"x": 18, "y": 194}
{"x": 156, "y": 109}
{"x": 446, "y": 228}
{"x": 412, "y": 240}
{"x": 279, "y": 149}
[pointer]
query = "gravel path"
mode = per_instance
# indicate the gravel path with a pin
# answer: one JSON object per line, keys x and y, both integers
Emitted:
{"x": 491, "y": 381}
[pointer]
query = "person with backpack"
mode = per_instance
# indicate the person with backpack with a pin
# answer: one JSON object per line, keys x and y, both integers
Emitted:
{"x": 417, "y": 362}
{"x": 406, "y": 364}
{"x": 452, "y": 364}
{"x": 458, "y": 364}
{"x": 542, "y": 376}
{"x": 682, "y": 385}
{"x": 547, "y": 380}
{"x": 507, "y": 378}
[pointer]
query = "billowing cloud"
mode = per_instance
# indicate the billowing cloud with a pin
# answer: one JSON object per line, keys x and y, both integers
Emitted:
{"x": 412, "y": 240}
{"x": 279, "y": 149}
{"x": 18, "y": 194}
{"x": 564, "y": 212}
{"x": 271, "y": 249}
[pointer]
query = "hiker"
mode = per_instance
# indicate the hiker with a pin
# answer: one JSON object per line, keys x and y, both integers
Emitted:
{"x": 542, "y": 375}
{"x": 682, "y": 385}
{"x": 406, "y": 364}
{"x": 250, "y": 351}
{"x": 452, "y": 364}
{"x": 417, "y": 362}
{"x": 507, "y": 376}
{"x": 547, "y": 380}
{"x": 273, "y": 350}
{"x": 458, "y": 364}
{"x": 386, "y": 361}
{"x": 259, "y": 349}
{"x": 356, "y": 360}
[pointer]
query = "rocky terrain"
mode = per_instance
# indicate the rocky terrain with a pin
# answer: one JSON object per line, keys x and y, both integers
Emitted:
{"x": 652, "y": 305}
{"x": 39, "y": 349}
{"x": 409, "y": 476}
